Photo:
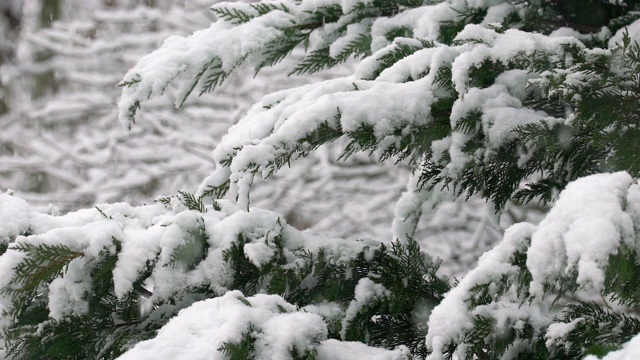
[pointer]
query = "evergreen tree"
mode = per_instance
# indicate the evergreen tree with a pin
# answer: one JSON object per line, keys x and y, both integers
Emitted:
{"x": 61, "y": 143}
{"x": 513, "y": 101}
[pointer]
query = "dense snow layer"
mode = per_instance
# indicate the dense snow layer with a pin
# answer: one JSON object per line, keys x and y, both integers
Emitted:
{"x": 593, "y": 218}
{"x": 632, "y": 30}
{"x": 629, "y": 351}
{"x": 587, "y": 225}
{"x": 154, "y": 236}
{"x": 277, "y": 327}
{"x": 199, "y": 331}
{"x": 397, "y": 103}
{"x": 219, "y": 46}
{"x": 148, "y": 241}
{"x": 453, "y": 315}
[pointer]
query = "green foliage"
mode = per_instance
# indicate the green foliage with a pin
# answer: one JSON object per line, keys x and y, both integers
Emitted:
{"x": 41, "y": 265}
{"x": 105, "y": 331}
{"x": 190, "y": 201}
{"x": 358, "y": 47}
{"x": 449, "y": 29}
{"x": 237, "y": 14}
{"x": 410, "y": 277}
{"x": 597, "y": 331}
{"x": 110, "y": 324}
{"x": 404, "y": 270}
{"x": 534, "y": 165}
{"x": 316, "y": 60}
{"x": 623, "y": 274}
{"x": 242, "y": 350}
{"x": 195, "y": 249}
{"x": 540, "y": 158}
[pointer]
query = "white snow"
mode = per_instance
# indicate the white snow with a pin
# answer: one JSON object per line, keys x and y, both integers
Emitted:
{"x": 67, "y": 295}
{"x": 366, "y": 292}
{"x": 557, "y": 331}
{"x": 14, "y": 214}
{"x": 633, "y": 30}
{"x": 200, "y": 331}
{"x": 149, "y": 235}
{"x": 590, "y": 221}
{"x": 348, "y": 350}
{"x": 587, "y": 225}
{"x": 452, "y": 316}
{"x": 353, "y": 32}
{"x": 630, "y": 351}
{"x": 188, "y": 56}
{"x": 409, "y": 208}
{"x": 259, "y": 254}
{"x": 502, "y": 48}
{"x": 383, "y": 106}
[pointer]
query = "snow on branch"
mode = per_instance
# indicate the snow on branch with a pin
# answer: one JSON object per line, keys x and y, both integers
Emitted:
{"x": 264, "y": 325}
{"x": 455, "y": 86}
{"x": 122, "y": 272}
{"x": 392, "y": 113}
{"x": 206, "y": 57}
{"x": 523, "y": 280}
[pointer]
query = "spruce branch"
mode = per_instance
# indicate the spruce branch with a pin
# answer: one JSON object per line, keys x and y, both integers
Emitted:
{"x": 42, "y": 264}
{"x": 316, "y": 61}
{"x": 597, "y": 330}
{"x": 232, "y": 15}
